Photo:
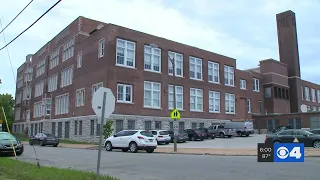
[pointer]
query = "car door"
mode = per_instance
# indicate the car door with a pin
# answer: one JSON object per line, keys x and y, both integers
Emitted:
{"x": 126, "y": 137}
{"x": 36, "y": 139}
{"x": 303, "y": 137}
{"x": 286, "y": 136}
{"x": 116, "y": 141}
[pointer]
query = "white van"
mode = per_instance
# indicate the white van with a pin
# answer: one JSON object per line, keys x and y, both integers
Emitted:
{"x": 244, "y": 128}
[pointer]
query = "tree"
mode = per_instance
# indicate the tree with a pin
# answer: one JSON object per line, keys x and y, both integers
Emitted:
{"x": 108, "y": 129}
{"x": 7, "y": 102}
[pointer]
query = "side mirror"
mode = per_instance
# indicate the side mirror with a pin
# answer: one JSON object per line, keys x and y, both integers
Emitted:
{"x": 305, "y": 135}
{"x": 115, "y": 135}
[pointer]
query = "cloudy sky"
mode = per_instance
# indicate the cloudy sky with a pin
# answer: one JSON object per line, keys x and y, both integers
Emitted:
{"x": 241, "y": 29}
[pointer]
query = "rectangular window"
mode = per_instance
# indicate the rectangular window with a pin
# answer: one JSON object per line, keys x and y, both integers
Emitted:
{"x": 48, "y": 102}
{"x": 62, "y": 104}
{"x": 195, "y": 68}
{"x": 79, "y": 60}
{"x": 147, "y": 125}
{"x": 126, "y": 53}
{"x": 214, "y": 101}
{"x": 37, "y": 110}
{"x": 307, "y": 93}
{"x": 302, "y": 93}
{"x": 314, "y": 108}
{"x": 152, "y": 59}
{"x": 80, "y": 127}
{"x": 124, "y": 93}
{"x": 131, "y": 124}
{"x": 92, "y": 127}
{"x": 27, "y": 115}
{"x": 243, "y": 84}
{"x": 201, "y": 125}
{"x": 177, "y": 59}
{"x": 39, "y": 89}
{"x": 179, "y": 97}
{"x": 157, "y": 125}
{"x": 228, "y": 75}
{"x": 181, "y": 126}
{"x": 27, "y": 93}
{"x": 249, "y": 105}
{"x": 59, "y": 129}
{"x": 53, "y": 83}
{"x": 213, "y": 72}
{"x": 230, "y": 103}
{"x": 313, "y": 95}
{"x": 256, "y": 87}
{"x": 98, "y": 129}
{"x": 68, "y": 50}
{"x": 95, "y": 87}
{"x": 66, "y": 76}
{"x": 261, "y": 106}
{"x": 101, "y": 48}
{"x": 171, "y": 126}
{"x": 17, "y": 114}
{"x": 194, "y": 126}
{"x": 119, "y": 125}
{"x": 18, "y": 98}
{"x": 54, "y": 59}
{"x": 40, "y": 68}
{"x": 80, "y": 97}
{"x": 76, "y": 128}
{"x": 152, "y": 94}
{"x": 196, "y": 99}
{"x": 318, "y": 95}
{"x": 53, "y": 128}
{"x": 66, "y": 130}
{"x": 287, "y": 94}
{"x": 267, "y": 92}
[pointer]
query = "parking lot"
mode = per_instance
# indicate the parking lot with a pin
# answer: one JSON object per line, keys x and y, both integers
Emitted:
{"x": 234, "y": 142}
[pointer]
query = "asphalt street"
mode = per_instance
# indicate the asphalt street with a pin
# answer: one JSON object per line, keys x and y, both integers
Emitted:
{"x": 144, "y": 166}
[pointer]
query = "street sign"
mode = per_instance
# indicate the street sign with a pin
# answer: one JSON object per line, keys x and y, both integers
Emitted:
{"x": 97, "y": 100}
{"x": 175, "y": 114}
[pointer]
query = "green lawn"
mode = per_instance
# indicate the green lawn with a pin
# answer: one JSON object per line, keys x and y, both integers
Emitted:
{"x": 12, "y": 169}
{"x": 23, "y": 137}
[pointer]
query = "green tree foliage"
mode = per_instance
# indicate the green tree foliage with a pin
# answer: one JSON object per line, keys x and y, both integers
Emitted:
{"x": 108, "y": 129}
{"x": 7, "y": 102}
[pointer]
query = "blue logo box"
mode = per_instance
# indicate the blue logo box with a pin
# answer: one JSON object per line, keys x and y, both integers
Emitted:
{"x": 288, "y": 152}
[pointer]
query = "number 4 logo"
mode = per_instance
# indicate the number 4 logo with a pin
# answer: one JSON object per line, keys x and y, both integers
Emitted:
{"x": 296, "y": 153}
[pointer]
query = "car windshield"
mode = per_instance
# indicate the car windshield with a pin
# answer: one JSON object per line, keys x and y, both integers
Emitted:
{"x": 6, "y": 136}
{"x": 49, "y": 135}
{"x": 146, "y": 133}
{"x": 163, "y": 132}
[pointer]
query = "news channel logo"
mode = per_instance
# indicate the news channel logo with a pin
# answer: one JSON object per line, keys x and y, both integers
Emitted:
{"x": 288, "y": 152}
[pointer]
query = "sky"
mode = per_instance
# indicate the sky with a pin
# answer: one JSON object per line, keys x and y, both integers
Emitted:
{"x": 240, "y": 29}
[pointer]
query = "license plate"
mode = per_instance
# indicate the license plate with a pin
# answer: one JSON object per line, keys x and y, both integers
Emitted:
{"x": 151, "y": 140}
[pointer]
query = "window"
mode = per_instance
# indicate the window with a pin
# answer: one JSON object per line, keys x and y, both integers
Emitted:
{"x": 59, "y": 129}
{"x": 131, "y": 124}
{"x": 66, "y": 76}
{"x": 249, "y": 105}
{"x": 313, "y": 95}
{"x": 66, "y": 130}
{"x": 124, "y": 93}
{"x": 228, "y": 75}
{"x": 267, "y": 92}
{"x": 201, "y": 125}
{"x": 152, "y": 59}
{"x": 256, "y": 85}
{"x": 302, "y": 93}
{"x": 62, "y": 104}
{"x": 261, "y": 106}
{"x": 27, "y": 93}
{"x": 230, "y": 103}
{"x": 75, "y": 127}
{"x": 53, "y": 128}
{"x": 17, "y": 114}
{"x": 98, "y": 129}
{"x": 314, "y": 108}
{"x": 181, "y": 126}
{"x": 147, "y": 125}
{"x": 79, "y": 60}
{"x": 92, "y": 127}
{"x": 214, "y": 101}
{"x": 194, "y": 126}
{"x": 47, "y": 106}
{"x": 40, "y": 68}
{"x": 95, "y": 87}
{"x": 125, "y": 53}
{"x": 37, "y": 110}
{"x": 152, "y": 94}
{"x": 53, "y": 83}
{"x": 54, "y": 59}
{"x": 213, "y": 72}
{"x": 80, "y": 96}
{"x": 39, "y": 89}
{"x": 307, "y": 93}
{"x": 101, "y": 48}
{"x": 178, "y": 62}
{"x": 18, "y": 98}
{"x": 243, "y": 84}
{"x": 318, "y": 95}
{"x": 179, "y": 97}
{"x": 27, "y": 115}
{"x": 157, "y": 125}
{"x": 80, "y": 127}
{"x": 195, "y": 68}
{"x": 119, "y": 125}
{"x": 308, "y": 108}
{"x": 68, "y": 50}
{"x": 196, "y": 99}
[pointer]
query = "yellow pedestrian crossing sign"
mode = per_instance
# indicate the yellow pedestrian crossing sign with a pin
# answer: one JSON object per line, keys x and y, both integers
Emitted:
{"x": 175, "y": 114}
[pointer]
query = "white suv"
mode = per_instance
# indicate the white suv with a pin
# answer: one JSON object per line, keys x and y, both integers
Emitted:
{"x": 162, "y": 136}
{"x": 132, "y": 140}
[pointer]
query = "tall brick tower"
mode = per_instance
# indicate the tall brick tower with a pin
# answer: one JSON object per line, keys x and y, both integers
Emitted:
{"x": 288, "y": 42}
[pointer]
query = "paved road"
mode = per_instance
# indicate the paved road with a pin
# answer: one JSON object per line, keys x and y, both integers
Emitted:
{"x": 144, "y": 166}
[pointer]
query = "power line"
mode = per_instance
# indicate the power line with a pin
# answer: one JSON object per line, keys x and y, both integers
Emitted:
{"x": 31, "y": 25}
{"x": 16, "y": 16}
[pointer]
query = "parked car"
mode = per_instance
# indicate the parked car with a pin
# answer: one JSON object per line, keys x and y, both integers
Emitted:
{"x": 6, "y": 141}
{"x": 182, "y": 136}
{"x": 44, "y": 139}
{"x": 315, "y": 131}
{"x": 287, "y": 136}
{"x": 280, "y": 128}
{"x": 162, "y": 136}
{"x": 132, "y": 140}
{"x": 195, "y": 134}
{"x": 209, "y": 132}
{"x": 222, "y": 130}
{"x": 244, "y": 128}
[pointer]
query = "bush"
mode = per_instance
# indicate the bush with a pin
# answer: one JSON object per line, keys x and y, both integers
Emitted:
{"x": 108, "y": 129}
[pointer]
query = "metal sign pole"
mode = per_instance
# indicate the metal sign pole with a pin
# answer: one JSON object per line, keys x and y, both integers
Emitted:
{"x": 101, "y": 129}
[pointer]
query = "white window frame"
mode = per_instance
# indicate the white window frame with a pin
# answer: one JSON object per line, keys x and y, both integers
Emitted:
{"x": 64, "y": 104}
{"x": 37, "y": 110}
{"x": 214, "y": 100}
{"x": 178, "y": 59}
{"x": 54, "y": 59}
{"x": 195, "y": 97}
{"x": 152, "y": 98}
{"x": 243, "y": 84}
{"x": 214, "y": 67}
{"x": 152, "y": 52}
{"x": 228, "y": 76}
{"x": 249, "y": 105}
{"x": 66, "y": 76}
{"x": 39, "y": 89}
{"x": 313, "y": 95}
{"x": 318, "y": 95}
{"x": 17, "y": 115}
{"x": 171, "y": 97}
{"x": 68, "y": 49}
{"x": 126, "y": 42}
{"x": 124, "y": 93}
{"x": 195, "y": 62}
{"x": 79, "y": 59}
{"x": 53, "y": 83}
{"x": 256, "y": 85}
{"x": 95, "y": 87}
{"x": 80, "y": 97}
{"x": 40, "y": 68}
{"x": 101, "y": 48}
{"x": 229, "y": 100}
{"x": 307, "y": 93}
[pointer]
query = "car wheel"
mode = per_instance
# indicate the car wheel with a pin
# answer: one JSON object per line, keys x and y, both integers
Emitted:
{"x": 213, "y": 137}
{"x": 316, "y": 144}
{"x": 108, "y": 146}
{"x": 221, "y": 135}
{"x": 193, "y": 138}
{"x": 247, "y": 135}
{"x": 133, "y": 147}
{"x": 150, "y": 150}
{"x": 19, "y": 153}
{"x": 229, "y": 136}
{"x": 30, "y": 143}
{"x": 125, "y": 150}
{"x": 55, "y": 145}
